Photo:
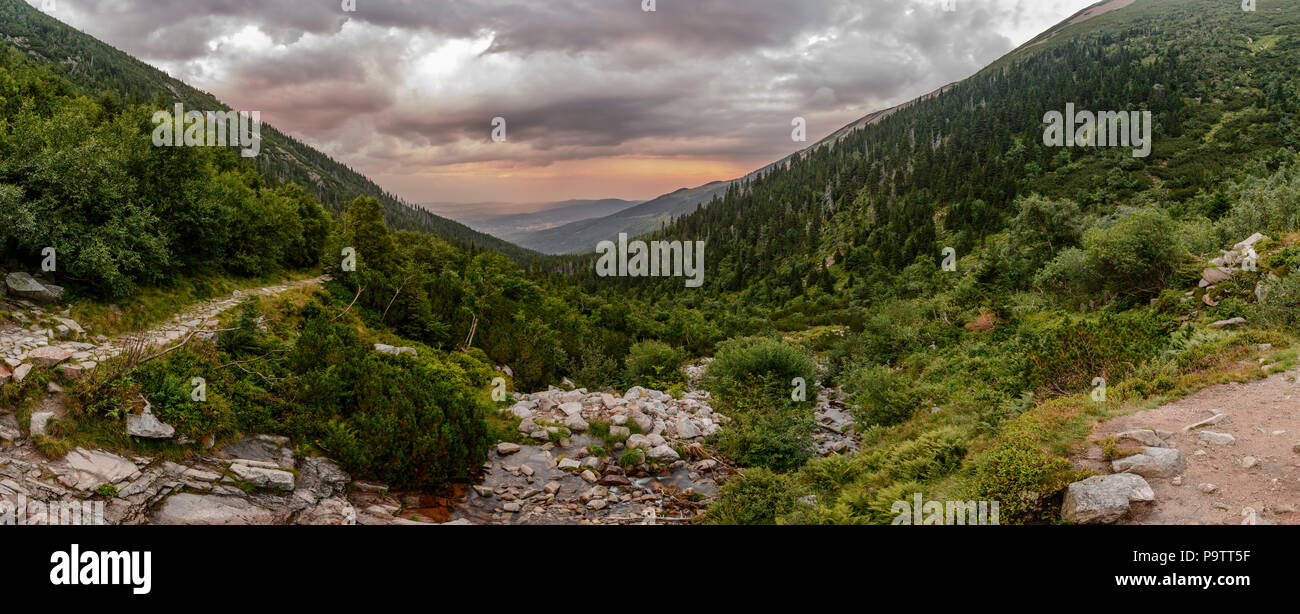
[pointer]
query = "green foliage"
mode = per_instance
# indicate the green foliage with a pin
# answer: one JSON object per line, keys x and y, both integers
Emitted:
{"x": 754, "y": 497}
{"x": 1065, "y": 353}
{"x": 1281, "y": 308}
{"x": 654, "y": 364}
{"x": 1016, "y": 472}
{"x": 880, "y": 396}
{"x": 770, "y": 359}
{"x": 767, "y": 428}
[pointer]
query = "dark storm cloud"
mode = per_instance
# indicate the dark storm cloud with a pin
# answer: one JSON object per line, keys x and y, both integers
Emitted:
{"x": 575, "y": 79}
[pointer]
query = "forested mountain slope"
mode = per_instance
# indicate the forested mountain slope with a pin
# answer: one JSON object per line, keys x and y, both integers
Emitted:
{"x": 1220, "y": 83}
{"x": 98, "y": 67}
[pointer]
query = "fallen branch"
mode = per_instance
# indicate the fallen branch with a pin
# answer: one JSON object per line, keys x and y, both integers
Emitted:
{"x": 360, "y": 289}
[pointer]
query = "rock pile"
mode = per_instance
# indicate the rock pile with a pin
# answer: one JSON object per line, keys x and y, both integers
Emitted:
{"x": 256, "y": 479}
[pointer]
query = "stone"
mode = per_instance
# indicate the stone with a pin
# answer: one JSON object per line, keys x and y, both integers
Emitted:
{"x": 395, "y": 351}
{"x": 1228, "y": 323}
{"x": 551, "y": 488}
{"x": 484, "y": 491}
{"x": 10, "y": 433}
{"x": 1217, "y": 439}
{"x": 1104, "y": 499}
{"x": 589, "y": 477}
{"x": 21, "y": 371}
{"x": 1249, "y": 462}
{"x": 263, "y": 477}
{"x": 1153, "y": 463}
{"x": 1215, "y": 420}
{"x": 1216, "y": 275}
{"x": 196, "y": 509}
{"x": 522, "y": 409}
{"x": 330, "y": 512}
{"x": 621, "y": 432}
{"x": 1208, "y": 488}
{"x": 512, "y": 507}
{"x": 506, "y": 449}
{"x": 39, "y": 421}
{"x": 5, "y": 374}
{"x": 686, "y": 429}
{"x": 597, "y": 504}
{"x": 87, "y": 470}
{"x": 146, "y": 426}
{"x": 26, "y": 286}
{"x": 569, "y": 463}
{"x": 638, "y": 441}
{"x": 577, "y": 424}
{"x": 571, "y": 409}
{"x": 1145, "y": 437}
{"x": 73, "y": 372}
{"x": 664, "y": 454}
{"x": 49, "y": 356}
{"x": 1249, "y": 243}
{"x": 75, "y": 331}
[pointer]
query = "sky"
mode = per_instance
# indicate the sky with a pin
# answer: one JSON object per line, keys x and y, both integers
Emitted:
{"x": 601, "y": 98}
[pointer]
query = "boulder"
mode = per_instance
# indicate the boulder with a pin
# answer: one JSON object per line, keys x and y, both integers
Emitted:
{"x": 664, "y": 454}
{"x": 89, "y": 469}
{"x": 1216, "y": 275}
{"x": 26, "y": 286}
{"x": 263, "y": 477}
{"x": 577, "y": 424}
{"x": 1153, "y": 463}
{"x": 638, "y": 441}
{"x": 330, "y": 512}
{"x": 1145, "y": 437}
{"x": 686, "y": 429}
{"x": 395, "y": 351}
{"x": 1104, "y": 499}
{"x": 1228, "y": 323}
{"x": 38, "y": 422}
{"x": 21, "y": 371}
{"x": 571, "y": 408}
{"x": 146, "y": 426}
{"x": 506, "y": 449}
{"x": 195, "y": 509}
{"x": 49, "y": 356}
{"x": 1249, "y": 243}
{"x": 9, "y": 430}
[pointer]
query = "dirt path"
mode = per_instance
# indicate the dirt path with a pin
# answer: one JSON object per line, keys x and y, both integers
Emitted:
{"x": 1264, "y": 419}
{"x": 68, "y": 345}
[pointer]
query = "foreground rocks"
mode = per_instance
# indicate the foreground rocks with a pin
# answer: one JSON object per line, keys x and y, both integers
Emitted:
{"x": 221, "y": 488}
{"x": 1105, "y": 499}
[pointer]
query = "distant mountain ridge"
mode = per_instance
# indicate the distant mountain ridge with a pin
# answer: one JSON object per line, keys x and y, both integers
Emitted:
{"x": 581, "y": 237}
{"x": 97, "y": 66}
{"x": 515, "y": 221}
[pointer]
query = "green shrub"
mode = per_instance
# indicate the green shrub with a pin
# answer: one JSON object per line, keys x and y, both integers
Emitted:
{"x": 879, "y": 395}
{"x": 767, "y": 428}
{"x": 770, "y": 359}
{"x": 1281, "y": 308}
{"x": 1066, "y": 353}
{"x": 653, "y": 364}
{"x": 754, "y": 497}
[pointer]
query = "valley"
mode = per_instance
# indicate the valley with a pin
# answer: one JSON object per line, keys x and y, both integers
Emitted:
{"x": 937, "y": 303}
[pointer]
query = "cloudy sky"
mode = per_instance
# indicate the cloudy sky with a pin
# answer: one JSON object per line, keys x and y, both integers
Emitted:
{"x": 601, "y": 98}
